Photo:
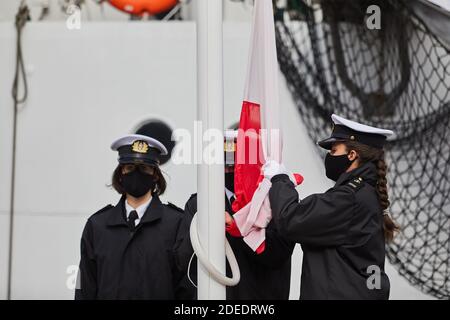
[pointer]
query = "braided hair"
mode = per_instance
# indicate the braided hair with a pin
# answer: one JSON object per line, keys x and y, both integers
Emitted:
{"x": 370, "y": 154}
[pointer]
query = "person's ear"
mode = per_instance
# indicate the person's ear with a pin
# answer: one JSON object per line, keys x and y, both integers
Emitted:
{"x": 352, "y": 155}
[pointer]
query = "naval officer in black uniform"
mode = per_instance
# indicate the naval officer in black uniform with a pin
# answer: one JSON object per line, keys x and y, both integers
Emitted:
{"x": 342, "y": 231}
{"x": 264, "y": 276}
{"x": 130, "y": 250}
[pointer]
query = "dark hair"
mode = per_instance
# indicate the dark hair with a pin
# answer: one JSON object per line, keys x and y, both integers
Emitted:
{"x": 160, "y": 186}
{"x": 370, "y": 154}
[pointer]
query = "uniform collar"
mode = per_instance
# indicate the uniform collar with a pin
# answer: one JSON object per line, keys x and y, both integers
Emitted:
{"x": 140, "y": 210}
{"x": 229, "y": 194}
{"x": 367, "y": 171}
{"x": 154, "y": 212}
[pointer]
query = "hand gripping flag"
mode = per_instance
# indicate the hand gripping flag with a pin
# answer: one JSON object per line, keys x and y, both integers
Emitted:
{"x": 259, "y": 135}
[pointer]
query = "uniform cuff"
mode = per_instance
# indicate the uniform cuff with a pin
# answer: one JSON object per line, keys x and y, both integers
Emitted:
{"x": 280, "y": 177}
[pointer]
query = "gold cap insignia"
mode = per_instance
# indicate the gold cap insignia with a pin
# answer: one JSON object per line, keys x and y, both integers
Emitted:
{"x": 229, "y": 146}
{"x": 140, "y": 146}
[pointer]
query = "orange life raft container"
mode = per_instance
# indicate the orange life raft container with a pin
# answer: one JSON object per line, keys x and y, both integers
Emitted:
{"x": 139, "y": 7}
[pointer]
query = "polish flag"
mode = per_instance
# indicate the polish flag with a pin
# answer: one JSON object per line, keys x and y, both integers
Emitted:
{"x": 259, "y": 136}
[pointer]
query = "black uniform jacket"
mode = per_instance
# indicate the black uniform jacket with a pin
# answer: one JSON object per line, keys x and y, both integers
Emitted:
{"x": 117, "y": 263}
{"x": 263, "y": 276}
{"x": 341, "y": 235}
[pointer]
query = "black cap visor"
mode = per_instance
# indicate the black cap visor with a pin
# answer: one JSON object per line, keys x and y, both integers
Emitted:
{"x": 328, "y": 142}
{"x": 138, "y": 160}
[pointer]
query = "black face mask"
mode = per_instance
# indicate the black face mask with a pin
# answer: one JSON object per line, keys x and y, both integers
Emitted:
{"x": 229, "y": 181}
{"x": 137, "y": 183}
{"x": 336, "y": 165}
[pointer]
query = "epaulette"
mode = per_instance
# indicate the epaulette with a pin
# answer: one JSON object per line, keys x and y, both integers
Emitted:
{"x": 171, "y": 205}
{"x": 192, "y": 195}
{"x": 356, "y": 183}
{"x": 104, "y": 209}
{"x": 191, "y": 204}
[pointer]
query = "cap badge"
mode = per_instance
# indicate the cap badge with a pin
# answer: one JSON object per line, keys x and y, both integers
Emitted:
{"x": 140, "y": 146}
{"x": 229, "y": 146}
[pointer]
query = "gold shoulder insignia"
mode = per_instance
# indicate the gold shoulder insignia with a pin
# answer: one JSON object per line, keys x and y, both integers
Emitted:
{"x": 356, "y": 183}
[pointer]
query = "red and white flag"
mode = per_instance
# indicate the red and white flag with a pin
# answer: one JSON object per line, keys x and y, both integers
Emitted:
{"x": 259, "y": 126}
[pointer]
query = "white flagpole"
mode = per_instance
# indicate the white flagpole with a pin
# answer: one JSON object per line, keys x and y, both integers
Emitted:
{"x": 210, "y": 177}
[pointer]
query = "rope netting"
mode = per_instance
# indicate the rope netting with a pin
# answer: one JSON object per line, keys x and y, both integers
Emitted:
{"x": 395, "y": 77}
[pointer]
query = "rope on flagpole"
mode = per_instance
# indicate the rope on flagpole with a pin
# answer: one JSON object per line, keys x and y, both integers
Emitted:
{"x": 22, "y": 16}
{"x": 201, "y": 255}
